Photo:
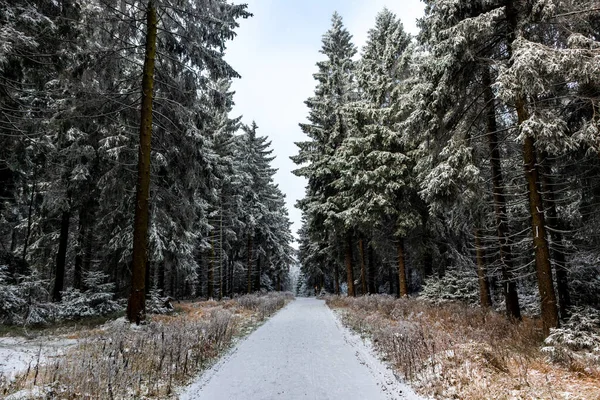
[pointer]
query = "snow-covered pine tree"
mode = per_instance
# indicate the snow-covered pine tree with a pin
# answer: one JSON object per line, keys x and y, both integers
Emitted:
{"x": 462, "y": 41}
{"x": 376, "y": 183}
{"x": 326, "y": 130}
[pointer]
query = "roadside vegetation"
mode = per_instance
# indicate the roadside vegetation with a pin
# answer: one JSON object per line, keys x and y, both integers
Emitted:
{"x": 118, "y": 360}
{"x": 455, "y": 351}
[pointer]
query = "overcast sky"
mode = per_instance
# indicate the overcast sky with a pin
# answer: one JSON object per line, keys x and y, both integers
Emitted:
{"x": 275, "y": 53}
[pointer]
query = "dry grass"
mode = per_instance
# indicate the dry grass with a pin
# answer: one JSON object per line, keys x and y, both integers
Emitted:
{"x": 453, "y": 351}
{"x": 121, "y": 361}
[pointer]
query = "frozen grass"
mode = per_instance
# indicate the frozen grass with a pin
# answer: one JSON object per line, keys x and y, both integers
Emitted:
{"x": 455, "y": 351}
{"x": 120, "y": 361}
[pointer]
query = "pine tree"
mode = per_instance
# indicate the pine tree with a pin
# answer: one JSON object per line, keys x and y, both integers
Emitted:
{"x": 326, "y": 131}
{"x": 376, "y": 181}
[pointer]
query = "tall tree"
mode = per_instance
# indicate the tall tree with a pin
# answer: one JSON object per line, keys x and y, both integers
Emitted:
{"x": 326, "y": 131}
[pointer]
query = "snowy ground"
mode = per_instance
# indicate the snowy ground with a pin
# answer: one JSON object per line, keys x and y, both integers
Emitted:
{"x": 303, "y": 352}
{"x": 18, "y": 353}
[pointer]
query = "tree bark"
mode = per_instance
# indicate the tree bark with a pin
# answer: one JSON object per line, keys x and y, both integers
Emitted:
{"x": 554, "y": 228}
{"x": 509, "y": 286}
{"x": 61, "y": 256}
{"x": 371, "y": 269}
{"x": 336, "y": 278}
{"x": 29, "y": 217}
{"x": 349, "y": 267}
{"x": 403, "y": 287}
{"x": 538, "y": 223}
{"x": 250, "y": 244}
{"x": 211, "y": 272}
{"x": 136, "y": 306}
{"x": 82, "y": 235}
{"x": 484, "y": 286}
{"x": 363, "y": 269}
{"x": 259, "y": 260}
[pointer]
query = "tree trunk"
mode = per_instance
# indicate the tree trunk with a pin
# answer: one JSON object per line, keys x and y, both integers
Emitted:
{"x": 250, "y": 244}
{"x": 509, "y": 286}
{"x": 391, "y": 280}
{"x": 211, "y": 272}
{"x": 259, "y": 260}
{"x": 540, "y": 243}
{"x": 554, "y": 228}
{"x": 363, "y": 269}
{"x": 221, "y": 285}
{"x": 336, "y": 278}
{"x": 82, "y": 235}
{"x": 29, "y": 217}
{"x": 371, "y": 269}
{"x": 136, "y": 306}
{"x": 61, "y": 256}
{"x": 403, "y": 292}
{"x": 484, "y": 286}
{"x": 538, "y": 223}
{"x": 349, "y": 267}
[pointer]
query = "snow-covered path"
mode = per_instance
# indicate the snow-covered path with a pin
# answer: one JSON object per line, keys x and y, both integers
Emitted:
{"x": 301, "y": 353}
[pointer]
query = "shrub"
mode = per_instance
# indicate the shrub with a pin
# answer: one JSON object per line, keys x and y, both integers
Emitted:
{"x": 96, "y": 300}
{"x": 577, "y": 342}
{"x": 454, "y": 285}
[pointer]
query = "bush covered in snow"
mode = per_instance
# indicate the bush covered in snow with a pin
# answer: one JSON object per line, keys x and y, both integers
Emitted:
{"x": 578, "y": 340}
{"x": 454, "y": 285}
{"x": 22, "y": 300}
{"x": 157, "y": 303}
{"x": 96, "y": 300}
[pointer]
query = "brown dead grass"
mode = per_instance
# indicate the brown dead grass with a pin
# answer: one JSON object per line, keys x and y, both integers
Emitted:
{"x": 453, "y": 351}
{"x": 121, "y": 361}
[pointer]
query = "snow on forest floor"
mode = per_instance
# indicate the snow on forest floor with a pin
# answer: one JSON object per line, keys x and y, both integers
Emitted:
{"x": 123, "y": 361}
{"x": 17, "y": 354}
{"x": 452, "y": 351}
{"x": 303, "y": 352}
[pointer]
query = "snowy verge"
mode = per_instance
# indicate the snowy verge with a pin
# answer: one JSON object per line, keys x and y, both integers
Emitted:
{"x": 391, "y": 384}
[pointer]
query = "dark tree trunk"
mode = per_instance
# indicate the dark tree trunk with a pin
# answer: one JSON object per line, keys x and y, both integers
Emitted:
{"x": 484, "y": 286}
{"x": 29, "y": 217}
{"x": 402, "y": 286}
{"x": 509, "y": 286}
{"x": 250, "y": 244}
{"x": 554, "y": 228}
{"x": 349, "y": 266}
{"x": 211, "y": 274}
{"x": 540, "y": 243}
{"x": 538, "y": 223}
{"x": 336, "y": 278}
{"x": 259, "y": 260}
{"x": 82, "y": 235}
{"x": 372, "y": 272}
{"x": 363, "y": 269}
{"x": 136, "y": 306}
{"x": 61, "y": 256}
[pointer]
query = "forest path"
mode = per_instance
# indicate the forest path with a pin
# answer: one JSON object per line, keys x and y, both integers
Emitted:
{"x": 300, "y": 353}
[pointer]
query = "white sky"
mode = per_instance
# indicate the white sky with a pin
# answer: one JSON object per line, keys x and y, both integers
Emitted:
{"x": 275, "y": 53}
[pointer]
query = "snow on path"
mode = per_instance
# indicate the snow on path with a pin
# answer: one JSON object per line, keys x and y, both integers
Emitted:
{"x": 302, "y": 352}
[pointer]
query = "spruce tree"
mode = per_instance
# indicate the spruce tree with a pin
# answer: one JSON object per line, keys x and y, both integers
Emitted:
{"x": 326, "y": 130}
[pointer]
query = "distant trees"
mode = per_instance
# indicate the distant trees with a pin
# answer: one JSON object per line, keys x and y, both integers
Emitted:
{"x": 460, "y": 156}
{"x": 72, "y": 76}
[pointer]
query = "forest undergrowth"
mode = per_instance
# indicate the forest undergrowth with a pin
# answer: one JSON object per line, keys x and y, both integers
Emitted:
{"x": 455, "y": 351}
{"x": 119, "y": 360}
